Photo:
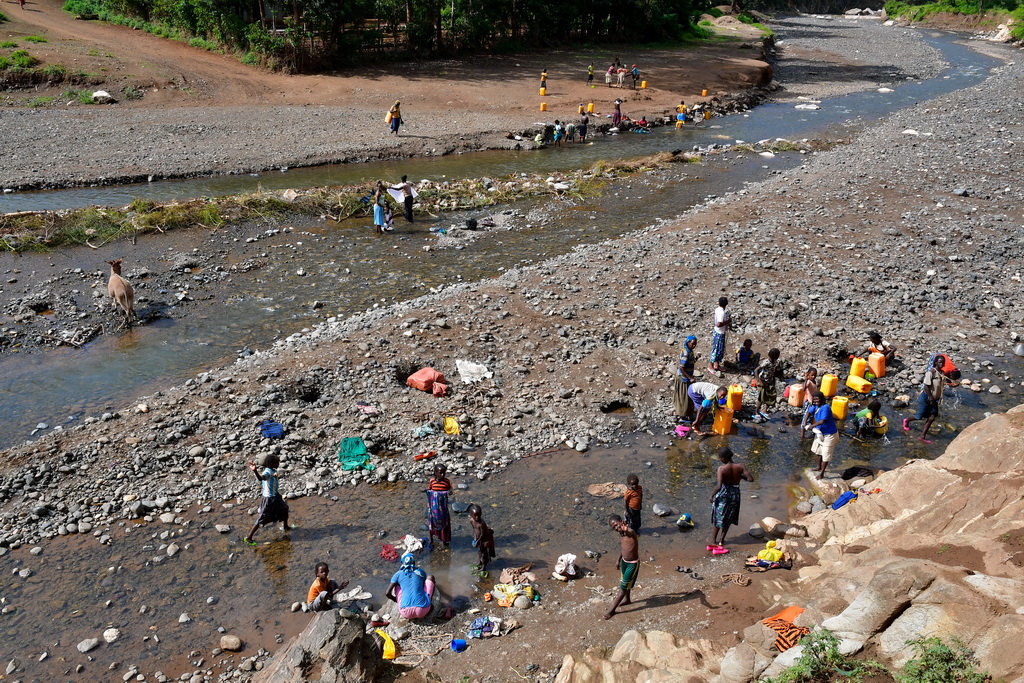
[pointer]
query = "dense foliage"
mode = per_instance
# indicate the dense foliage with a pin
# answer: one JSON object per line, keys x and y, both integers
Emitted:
{"x": 912, "y": 12}
{"x": 313, "y": 34}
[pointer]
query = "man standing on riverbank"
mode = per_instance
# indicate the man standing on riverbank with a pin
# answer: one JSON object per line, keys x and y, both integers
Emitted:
{"x": 725, "y": 500}
{"x": 628, "y": 563}
{"x": 723, "y": 325}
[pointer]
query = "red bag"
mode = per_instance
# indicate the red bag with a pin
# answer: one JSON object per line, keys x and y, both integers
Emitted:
{"x": 424, "y": 379}
{"x": 439, "y": 389}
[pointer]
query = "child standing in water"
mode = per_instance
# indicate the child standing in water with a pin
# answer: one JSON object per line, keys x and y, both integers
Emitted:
{"x": 272, "y": 507}
{"x": 483, "y": 537}
{"x": 438, "y": 518}
{"x": 634, "y": 498}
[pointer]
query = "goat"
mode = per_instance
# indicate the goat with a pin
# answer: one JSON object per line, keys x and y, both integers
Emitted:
{"x": 120, "y": 290}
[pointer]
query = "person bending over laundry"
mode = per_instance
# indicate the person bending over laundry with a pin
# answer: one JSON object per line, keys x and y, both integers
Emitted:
{"x": 869, "y": 418}
{"x": 483, "y": 537}
{"x": 323, "y": 589}
{"x": 705, "y": 396}
{"x": 628, "y": 563}
{"x": 879, "y": 345}
{"x": 411, "y": 588}
{"x": 725, "y": 499}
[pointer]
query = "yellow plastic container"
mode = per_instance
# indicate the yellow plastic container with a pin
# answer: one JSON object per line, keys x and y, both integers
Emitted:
{"x": 580, "y": 110}
{"x": 883, "y": 426}
{"x": 543, "y": 106}
{"x": 723, "y": 421}
{"x": 735, "y": 397}
{"x": 858, "y": 384}
{"x": 858, "y": 367}
{"x": 590, "y": 107}
{"x": 707, "y": 115}
{"x": 840, "y": 406}
{"x": 679, "y": 124}
{"x": 829, "y": 385}
{"x": 643, "y": 84}
{"x": 876, "y": 361}
{"x": 796, "y": 395}
{"x": 543, "y": 92}
{"x": 704, "y": 92}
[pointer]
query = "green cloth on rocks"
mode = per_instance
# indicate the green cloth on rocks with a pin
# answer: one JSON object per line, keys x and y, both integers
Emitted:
{"x": 352, "y": 455}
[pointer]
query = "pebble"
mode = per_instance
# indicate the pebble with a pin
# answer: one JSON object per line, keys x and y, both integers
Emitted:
{"x": 184, "y": 618}
{"x": 88, "y": 645}
{"x": 111, "y": 635}
{"x": 230, "y": 643}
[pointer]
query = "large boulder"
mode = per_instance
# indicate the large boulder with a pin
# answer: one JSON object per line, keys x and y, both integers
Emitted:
{"x": 996, "y": 444}
{"x": 331, "y": 649}
{"x": 644, "y": 656}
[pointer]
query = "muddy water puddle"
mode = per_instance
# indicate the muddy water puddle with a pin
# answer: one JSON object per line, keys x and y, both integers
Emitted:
{"x": 538, "y": 507}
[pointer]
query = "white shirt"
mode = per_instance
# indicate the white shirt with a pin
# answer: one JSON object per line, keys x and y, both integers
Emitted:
{"x": 722, "y": 317}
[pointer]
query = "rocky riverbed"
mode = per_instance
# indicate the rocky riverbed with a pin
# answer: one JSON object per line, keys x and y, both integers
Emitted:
{"x": 913, "y": 228}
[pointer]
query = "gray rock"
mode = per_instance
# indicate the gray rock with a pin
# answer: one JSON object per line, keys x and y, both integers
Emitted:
{"x": 756, "y": 531}
{"x": 522, "y": 602}
{"x": 184, "y": 618}
{"x": 167, "y": 518}
{"x": 230, "y": 643}
{"x": 661, "y": 510}
{"x": 341, "y": 648}
{"x": 88, "y": 645}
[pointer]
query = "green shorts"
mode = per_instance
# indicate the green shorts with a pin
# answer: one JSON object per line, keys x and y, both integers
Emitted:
{"x": 628, "y": 571}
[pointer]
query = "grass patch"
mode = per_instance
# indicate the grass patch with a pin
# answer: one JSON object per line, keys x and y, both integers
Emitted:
{"x": 204, "y": 44}
{"x": 55, "y": 71}
{"x": 822, "y": 662}
{"x": 8, "y": 44}
{"x": 41, "y": 101}
{"x": 21, "y": 59}
{"x": 938, "y": 662}
{"x": 35, "y": 39}
{"x": 80, "y": 96}
{"x": 3, "y": 18}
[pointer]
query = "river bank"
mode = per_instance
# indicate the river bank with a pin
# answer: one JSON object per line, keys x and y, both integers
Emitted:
{"x": 811, "y": 258}
{"x": 195, "y": 113}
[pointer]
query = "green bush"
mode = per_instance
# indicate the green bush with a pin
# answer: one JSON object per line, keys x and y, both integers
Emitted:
{"x": 55, "y": 71}
{"x": 714, "y": 11}
{"x": 3, "y": 18}
{"x": 35, "y": 39}
{"x": 821, "y": 662}
{"x": 21, "y": 59}
{"x": 936, "y": 662}
{"x": 5, "y": 63}
{"x": 250, "y": 59}
{"x": 8, "y": 44}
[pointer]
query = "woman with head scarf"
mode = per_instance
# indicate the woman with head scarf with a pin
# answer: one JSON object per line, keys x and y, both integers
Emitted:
{"x": 395, "y": 116}
{"x": 684, "y": 378}
{"x": 412, "y": 588}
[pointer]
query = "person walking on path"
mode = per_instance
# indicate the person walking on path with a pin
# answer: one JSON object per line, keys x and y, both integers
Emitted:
{"x": 483, "y": 538}
{"x": 439, "y": 520}
{"x": 272, "y": 507}
{"x": 590, "y": 74}
{"x": 684, "y": 378}
{"x": 725, "y": 500}
{"x": 544, "y": 78}
{"x": 723, "y": 325}
{"x": 628, "y": 563}
{"x": 407, "y": 196}
{"x": 826, "y": 434}
{"x": 394, "y": 116}
{"x": 928, "y": 401}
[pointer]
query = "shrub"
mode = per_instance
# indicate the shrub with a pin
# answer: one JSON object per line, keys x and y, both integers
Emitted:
{"x": 5, "y": 63}
{"x": 937, "y": 662}
{"x": 35, "y": 39}
{"x": 821, "y": 661}
{"x": 55, "y": 71}
{"x": 250, "y": 59}
{"x": 21, "y": 59}
{"x": 8, "y": 44}
{"x": 3, "y": 18}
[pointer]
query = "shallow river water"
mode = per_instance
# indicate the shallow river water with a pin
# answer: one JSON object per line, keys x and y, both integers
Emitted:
{"x": 79, "y": 588}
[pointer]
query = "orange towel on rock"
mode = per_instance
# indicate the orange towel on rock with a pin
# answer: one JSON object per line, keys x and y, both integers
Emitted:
{"x": 782, "y": 623}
